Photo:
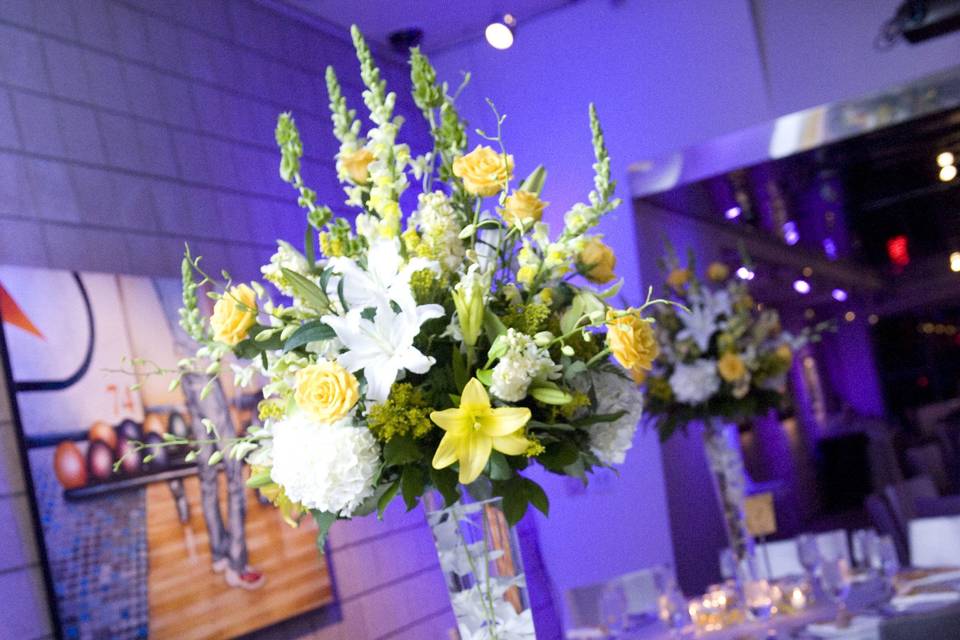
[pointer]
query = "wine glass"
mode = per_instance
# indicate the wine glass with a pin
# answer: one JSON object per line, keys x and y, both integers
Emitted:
{"x": 864, "y": 548}
{"x": 886, "y": 560}
{"x": 613, "y": 608}
{"x": 671, "y": 605}
{"x": 808, "y": 553}
{"x": 835, "y": 581}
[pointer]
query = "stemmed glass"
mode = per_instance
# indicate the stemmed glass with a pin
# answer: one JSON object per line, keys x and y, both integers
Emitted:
{"x": 864, "y": 548}
{"x": 886, "y": 561}
{"x": 672, "y": 606}
{"x": 809, "y": 554}
{"x": 835, "y": 581}
{"x": 613, "y": 608}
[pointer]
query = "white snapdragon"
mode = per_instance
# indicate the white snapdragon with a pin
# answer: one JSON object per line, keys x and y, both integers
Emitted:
{"x": 286, "y": 257}
{"x": 522, "y": 363}
{"x": 695, "y": 383}
{"x": 439, "y": 228}
{"x": 610, "y": 441}
{"x": 328, "y": 467}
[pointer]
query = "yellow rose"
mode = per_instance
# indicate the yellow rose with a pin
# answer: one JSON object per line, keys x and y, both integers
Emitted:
{"x": 357, "y": 165}
{"x": 234, "y": 314}
{"x": 523, "y": 208}
{"x": 639, "y": 375}
{"x": 631, "y": 340}
{"x": 731, "y": 367}
{"x": 718, "y": 272}
{"x": 483, "y": 171}
{"x": 784, "y": 353}
{"x": 326, "y": 391}
{"x": 678, "y": 279}
{"x": 598, "y": 261}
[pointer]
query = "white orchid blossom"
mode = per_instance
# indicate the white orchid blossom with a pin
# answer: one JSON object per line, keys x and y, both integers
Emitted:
{"x": 703, "y": 319}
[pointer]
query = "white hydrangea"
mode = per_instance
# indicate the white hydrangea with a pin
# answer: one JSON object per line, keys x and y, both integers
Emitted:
{"x": 695, "y": 383}
{"x": 331, "y": 468}
{"x": 437, "y": 222}
{"x": 286, "y": 257}
{"x": 522, "y": 363}
{"x": 610, "y": 441}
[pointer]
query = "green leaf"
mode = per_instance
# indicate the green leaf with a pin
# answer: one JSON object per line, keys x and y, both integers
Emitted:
{"x": 460, "y": 378}
{"x": 251, "y": 347}
{"x": 534, "y": 182}
{"x": 324, "y": 520}
{"x": 305, "y": 289}
{"x": 598, "y": 418}
{"x": 309, "y": 246}
{"x": 385, "y": 499}
{"x": 492, "y": 325}
{"x": 559, "y": 455}
{"x": 261, "y": 479}
{"x": 308, "y": 332}
{"x": 549, "y": 393}
{"x": 556, "y": 426}
{"x": 537, "y": 496}
{"x": 517, "y": 493}
{"x": 499, "y": 467}
{"x": 447, "y": 483}
{"x": 485, "y": 376}
{"x": 412, "y": 484}
{"x": 400, "y": 450}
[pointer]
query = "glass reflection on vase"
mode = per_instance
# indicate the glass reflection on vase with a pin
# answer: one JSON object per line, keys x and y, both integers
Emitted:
{"x": 480, "y": 557}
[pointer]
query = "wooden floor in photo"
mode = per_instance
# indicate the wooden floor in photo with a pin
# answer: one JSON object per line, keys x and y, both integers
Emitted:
{"x": 189, "y": 601}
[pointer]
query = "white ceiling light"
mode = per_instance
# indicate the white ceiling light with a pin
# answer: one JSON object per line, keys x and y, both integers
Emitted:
{"x": 948, "y": 173}
{"x": 945, "y": 159}
{"x": 499, "y": 33}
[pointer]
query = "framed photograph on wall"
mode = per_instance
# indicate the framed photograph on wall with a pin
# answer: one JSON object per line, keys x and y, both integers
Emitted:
{"x": 156, "y": 543}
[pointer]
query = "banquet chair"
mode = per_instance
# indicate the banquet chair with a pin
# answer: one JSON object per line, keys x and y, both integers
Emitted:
{"x": 902, "y": 499}
{"x": 935, "y": 542}
{"x": 940, "y": 623}
{"x": 928, "y": 460}
{"x": 883, "y": 521}
{"x": 640, "y": 589}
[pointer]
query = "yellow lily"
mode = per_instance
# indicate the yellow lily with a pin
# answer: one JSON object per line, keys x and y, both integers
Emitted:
{"x": 475, "y": 429}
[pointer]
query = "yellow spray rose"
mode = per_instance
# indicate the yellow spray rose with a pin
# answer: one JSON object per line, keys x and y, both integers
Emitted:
{"x": 357, "y": 165}
{"x": 597, "y": 261}
{"x": 522, "y": 207}
{"x": 678, "y": 279}
{"x": 483, "y": 171}
{"x": 718, "y": 272}
{"x": 234, "y": 314}
{"x": 785, "y": 354}
{"x": 631, "y": 340}
{"x": 731, "y": 367}
{"x": 326, "y": 391}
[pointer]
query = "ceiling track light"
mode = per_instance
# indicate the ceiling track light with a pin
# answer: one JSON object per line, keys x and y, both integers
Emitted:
{"x": 500, "y": 32}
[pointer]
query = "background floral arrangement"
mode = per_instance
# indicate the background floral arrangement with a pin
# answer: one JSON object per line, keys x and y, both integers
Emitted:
{"x": 452, "y": 346}
{"x": 719, "y": 356}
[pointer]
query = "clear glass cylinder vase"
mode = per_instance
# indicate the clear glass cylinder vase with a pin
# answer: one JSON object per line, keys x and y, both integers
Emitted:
{"x": 480, "y": 557}
{"x": 725, "y": 460}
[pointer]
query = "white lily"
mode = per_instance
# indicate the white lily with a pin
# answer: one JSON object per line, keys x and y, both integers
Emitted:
{"x": 386, "y": 277}
{"x": 702, "y": 320}
{"x": 383, "y": 347}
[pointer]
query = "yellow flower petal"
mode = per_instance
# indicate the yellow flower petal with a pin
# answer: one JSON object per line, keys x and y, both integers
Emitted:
{"x": 511, "y": 445}
{"x": 446, "y": 453}
{"x": 474, "y": 452}
{"x": 475, "y": 398}
{"x": 504, "y": 421}
{"x": 451, "y": 419}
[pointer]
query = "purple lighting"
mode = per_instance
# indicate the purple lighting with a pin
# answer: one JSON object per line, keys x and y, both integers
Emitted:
{"x": 830, "y": 248}
{"x": 745, "y": 274}
{"x": 839, "y": 295}
{"x": 790, "y": 234}
{"x": 732, "y": 213}
{"x": 801, "y": 286}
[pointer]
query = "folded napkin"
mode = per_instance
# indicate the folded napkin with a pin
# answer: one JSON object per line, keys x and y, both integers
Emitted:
{"x": 902, "y": 603}
{"x": 860, "y": 628}
{"x": 587, "y": 633}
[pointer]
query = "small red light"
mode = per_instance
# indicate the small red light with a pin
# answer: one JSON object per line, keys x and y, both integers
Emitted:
{"x": 898, "y": 250}
{"x": 923, "y": 382}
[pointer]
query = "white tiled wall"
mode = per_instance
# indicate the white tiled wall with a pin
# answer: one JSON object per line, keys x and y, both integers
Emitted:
{"x": 128, "y": 127}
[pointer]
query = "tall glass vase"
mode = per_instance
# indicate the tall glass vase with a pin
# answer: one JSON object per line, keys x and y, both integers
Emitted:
{"x": 725, "y": 460}
{"x": 480, "y": 558}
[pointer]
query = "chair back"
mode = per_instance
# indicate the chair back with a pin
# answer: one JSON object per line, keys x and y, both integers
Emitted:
{"x": 902, "y": 497}
{"x": 884, "y": 522}
{"x": 641, "y": 590}
{"x": 935, "y": 542}
{"x": 785, "y": 561}
{"x": 940, "y": 623}
{"x": 928, "y": 460}
{"x": 583, "y": 605}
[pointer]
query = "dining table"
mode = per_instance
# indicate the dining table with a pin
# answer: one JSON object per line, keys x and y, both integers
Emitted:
{"x": 871, "y": 604}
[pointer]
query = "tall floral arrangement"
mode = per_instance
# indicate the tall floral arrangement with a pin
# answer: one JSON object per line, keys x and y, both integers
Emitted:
{"x": 460, "y": 343}
{"x": 722, "y": 356}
